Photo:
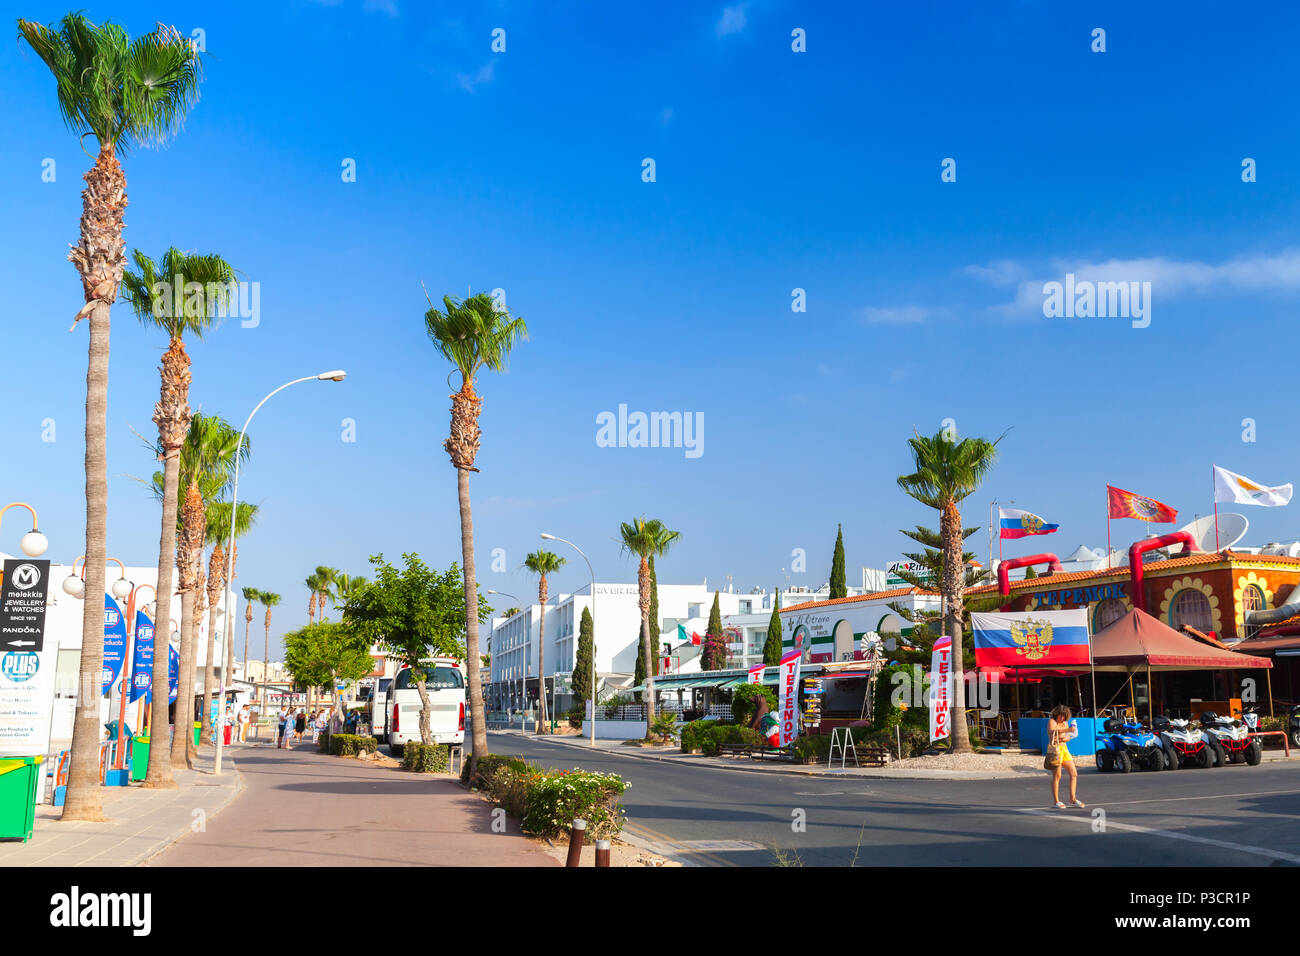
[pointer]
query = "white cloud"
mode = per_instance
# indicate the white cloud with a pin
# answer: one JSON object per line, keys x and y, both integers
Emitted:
{"x": 732, "y": 20}
{"x": 903, "y": 314}
{"x": 485, "y": 74}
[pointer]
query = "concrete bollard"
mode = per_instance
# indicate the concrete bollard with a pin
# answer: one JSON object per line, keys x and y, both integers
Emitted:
{"x": 602, "y": 853}
{"x": 576, "y": 835}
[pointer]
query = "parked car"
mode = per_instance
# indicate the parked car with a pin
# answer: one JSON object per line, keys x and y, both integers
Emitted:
{"x": 445, "y": 685}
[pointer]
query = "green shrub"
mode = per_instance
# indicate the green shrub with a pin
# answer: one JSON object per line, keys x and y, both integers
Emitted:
{"x": 575, "y": 716}
{"x": 347, "y": 745}
{"x": 323, "y": 743}
{"x": 554, "y": 800}
{"x": 425, "y": 758}
{"x": 665, "y": 726}
{"x": 488, "y": 764}
{"x": 744, "y": 702}
{"x": 692, "y": 735}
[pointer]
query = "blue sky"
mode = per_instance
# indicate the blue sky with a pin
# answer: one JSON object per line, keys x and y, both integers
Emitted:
{"x": 775, "y": 170}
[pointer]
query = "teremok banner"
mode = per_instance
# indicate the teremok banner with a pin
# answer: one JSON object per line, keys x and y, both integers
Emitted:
{"x": 788, "y": 703}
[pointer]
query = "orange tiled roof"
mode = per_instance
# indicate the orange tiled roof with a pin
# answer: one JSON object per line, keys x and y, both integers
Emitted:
{"x": 875, "y": 596}
{"x": 1122, "y": 573}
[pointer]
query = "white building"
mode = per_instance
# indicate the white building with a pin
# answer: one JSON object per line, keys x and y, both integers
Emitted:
{"x": 514, "y": 639}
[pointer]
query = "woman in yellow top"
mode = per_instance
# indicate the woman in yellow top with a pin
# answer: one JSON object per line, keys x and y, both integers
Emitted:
{"x": 1061, "y": 729}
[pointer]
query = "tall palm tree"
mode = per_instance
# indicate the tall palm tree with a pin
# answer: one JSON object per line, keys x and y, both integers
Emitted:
{"x": 542, "y": 563}
{"x": 315, "y": 584}
{"x": 125, "y": 93}
{"x": 328, "y": 577}
{"x": 221, "y": 569}
{"x": 948, "y": 472}
{"x": 472, "y": 335}
{"x": 250, "y": 598}
{"x": 645, "y": 538}
{"x": 207, "y": 463}
{"x": 153, "y": 291}
{"x": 268, "y": 600}
{"x": 347, "y": 586}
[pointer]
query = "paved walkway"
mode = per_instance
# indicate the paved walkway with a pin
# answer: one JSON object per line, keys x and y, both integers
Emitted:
{"x": 298, "y": 807}
{"x": 895, "y": 770}
{"x": 141, "y": 822}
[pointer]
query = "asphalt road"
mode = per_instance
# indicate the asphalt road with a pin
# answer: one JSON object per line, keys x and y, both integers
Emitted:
{"x": 1231, "y": 816}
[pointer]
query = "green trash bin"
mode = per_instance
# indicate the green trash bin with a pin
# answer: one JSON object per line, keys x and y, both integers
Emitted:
{"x": 18, "y": 779}
{"x": 198, "y": 727}
{"x": 139, "y": 757}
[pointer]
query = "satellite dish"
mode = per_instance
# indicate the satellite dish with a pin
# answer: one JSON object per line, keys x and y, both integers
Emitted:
{"x": 1232, "y": 528}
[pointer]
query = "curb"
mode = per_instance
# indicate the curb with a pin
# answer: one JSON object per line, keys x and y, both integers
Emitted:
{"x": 850, "y": 773}
{"x": 235, "y": 791}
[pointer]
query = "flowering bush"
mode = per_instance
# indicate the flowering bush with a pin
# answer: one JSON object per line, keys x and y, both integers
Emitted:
{"x": 547, "y": 801}
{"x": 556, "y": 799}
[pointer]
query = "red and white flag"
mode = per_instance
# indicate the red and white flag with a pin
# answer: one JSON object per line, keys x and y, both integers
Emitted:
{"x": 756, "y": 673}
{"x": 940, "y": 698}
{"x": 788, "y": 697}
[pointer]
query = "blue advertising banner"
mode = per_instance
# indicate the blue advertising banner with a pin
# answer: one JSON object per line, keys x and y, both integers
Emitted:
{"x": 142, "y": 659}
{"x": 173, "y": 675}
{"x": 114, "y": 641}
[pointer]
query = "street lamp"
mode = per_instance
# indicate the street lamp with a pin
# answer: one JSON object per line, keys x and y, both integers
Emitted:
{"x": 523, "y": 674}
{"x": 33, "y": 543}
{"x": 335, "y": 376}
{"x": 551, "y": 537}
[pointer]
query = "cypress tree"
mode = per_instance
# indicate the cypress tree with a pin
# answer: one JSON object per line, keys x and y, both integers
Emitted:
{"x": 638, "y": 673}
{"x": 582, "y": 662}
{"x": 772, "y": 646}
{"x": 838, "y": 587}
{"x": 715, "y": 651}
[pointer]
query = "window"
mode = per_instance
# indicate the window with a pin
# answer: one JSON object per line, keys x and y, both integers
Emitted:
{"x": 1252, "y": 599}
{"x": 1108, "y": 612}
{"x": 1191, "y": 607}
{"x": 440, "y": 678}
{"x": 745, "y": 607}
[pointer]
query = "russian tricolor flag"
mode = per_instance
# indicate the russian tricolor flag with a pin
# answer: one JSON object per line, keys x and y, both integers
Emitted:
{"x": 1033, "y": 639}
{"x": 1021, "y": 524}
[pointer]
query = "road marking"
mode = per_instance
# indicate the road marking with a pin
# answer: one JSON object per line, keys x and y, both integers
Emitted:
{"x": 1209, "y": 796}
{"x": 819, "y": 793}
{"x": 1169, "y": 835}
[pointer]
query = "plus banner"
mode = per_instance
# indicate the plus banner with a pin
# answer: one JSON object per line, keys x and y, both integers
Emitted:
{"x": 788, "y": 697}
{"x": 114, "y": 641}
{"x": 173, "y": 673}
{"x": 1034, "y": 639}
{"x": 142, "y": 659}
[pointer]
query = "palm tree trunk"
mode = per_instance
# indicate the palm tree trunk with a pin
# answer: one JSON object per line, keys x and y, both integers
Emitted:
{"x": 643, "y": 585}
{"x": 541, "y": 659}
{"x": 248, "y": 623}
{"x": 953, "y": 574}
{"x": 478, "y": 724}
{"x": 82, "y": 801}
{"x": 159, "y": 774}
{"x": 183, "y": 742}
{"x": 266, "y": 658}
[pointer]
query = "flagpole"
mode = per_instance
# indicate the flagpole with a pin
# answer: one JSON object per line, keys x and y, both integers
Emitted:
{"x": 1216, "y": 509}
{"x": 1107, "y": 532}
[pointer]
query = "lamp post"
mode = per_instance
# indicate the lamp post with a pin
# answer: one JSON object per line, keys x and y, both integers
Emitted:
{"x": 992, "y": 504}
{"x": 523, "y": 673}
{"x": 33, "y": 543}
{"x": 128, "y": 674}
{"x": 335, "y": 376}
{"x": 551, "y": 537}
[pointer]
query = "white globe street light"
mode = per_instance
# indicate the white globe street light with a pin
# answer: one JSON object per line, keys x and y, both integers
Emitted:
{"x": 74, "y": 586}
{"x": 337, "y": 375}
{"x": 33, "y": 543}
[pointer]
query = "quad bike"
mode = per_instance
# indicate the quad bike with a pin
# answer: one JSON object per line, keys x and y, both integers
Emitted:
{"x": 1185, "y": 745}
{"x": 1230, "y": 740}
{"x": 1293, "y": 725}
{"x": 1123, "y": 746}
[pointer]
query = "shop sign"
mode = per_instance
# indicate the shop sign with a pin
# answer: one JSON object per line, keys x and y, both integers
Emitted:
{"x": 1077, "y": 596}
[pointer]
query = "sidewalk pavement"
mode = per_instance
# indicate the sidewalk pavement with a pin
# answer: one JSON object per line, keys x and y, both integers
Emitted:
{"x": 141, "y": 822}
{"x": 895, "y": 770}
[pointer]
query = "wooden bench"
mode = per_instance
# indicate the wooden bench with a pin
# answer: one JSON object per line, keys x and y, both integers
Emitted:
{"x": 755, "y": 753}
{"x": 873, "y": 756}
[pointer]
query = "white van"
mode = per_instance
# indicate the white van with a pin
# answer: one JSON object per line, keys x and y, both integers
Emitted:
{"x": 445, "y": 685}
{"x": 379, "y": 709}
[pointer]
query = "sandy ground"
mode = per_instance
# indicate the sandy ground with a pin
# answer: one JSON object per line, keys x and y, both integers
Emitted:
{"x": 986, "y": 763}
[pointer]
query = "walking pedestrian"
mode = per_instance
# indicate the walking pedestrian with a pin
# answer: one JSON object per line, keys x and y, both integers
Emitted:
{"x": 282, "y": 728}
{"x": 227, "y": 725}
{"x": 300, "y": 723}
{"x": 1061, "y": 729}
{"x": 244, "y": 718}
